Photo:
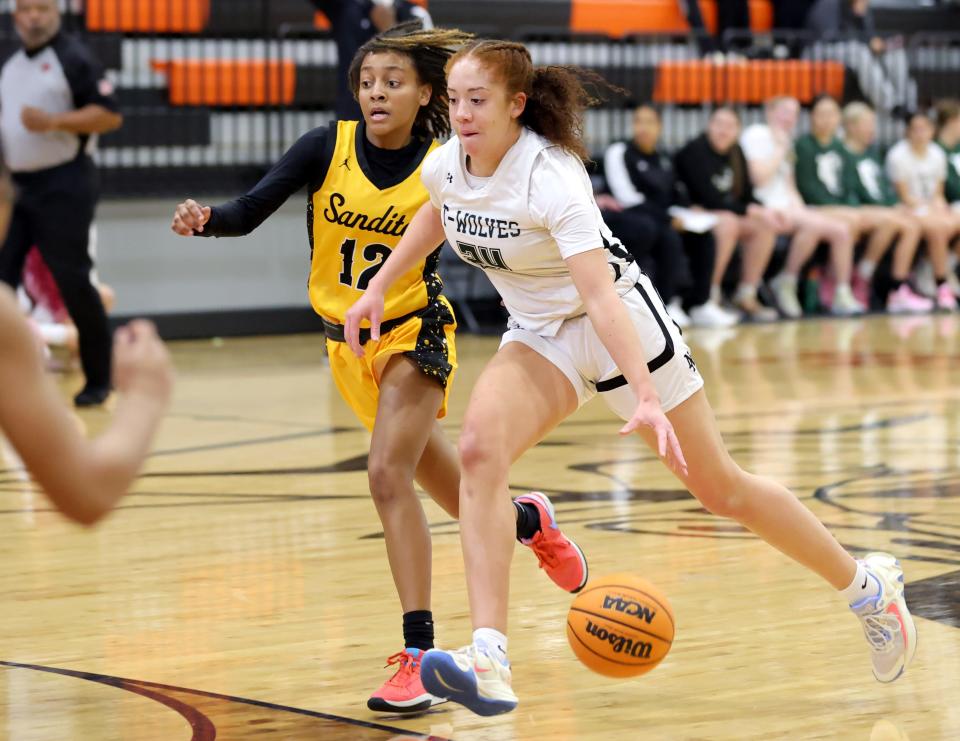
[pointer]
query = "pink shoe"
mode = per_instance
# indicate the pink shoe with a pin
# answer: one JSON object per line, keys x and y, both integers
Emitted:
{"x": 907, "y": 301}
{"x": 559, "y": 556}
{"x": 403, "y": 692}
{"x": 827, "y": 288}
{"x": 861, "y": 290}
{"x": 946, "y": 301}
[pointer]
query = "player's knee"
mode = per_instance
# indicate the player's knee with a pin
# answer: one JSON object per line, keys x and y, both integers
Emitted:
{"x": 727, "y": 227}
{"x": 722, "y": 494}
{"x": 911, "y": 229}
{"x": 479, "y": 451}
{"x": 388, "y": 481}
{"x": 838, "y": 233}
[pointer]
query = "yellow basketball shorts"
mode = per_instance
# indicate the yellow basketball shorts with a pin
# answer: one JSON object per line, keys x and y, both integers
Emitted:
{"x": 427, "y": 339}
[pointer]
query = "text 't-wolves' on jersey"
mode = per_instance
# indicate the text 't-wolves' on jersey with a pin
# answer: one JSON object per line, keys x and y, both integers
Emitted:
{"x": 520, "y": 224}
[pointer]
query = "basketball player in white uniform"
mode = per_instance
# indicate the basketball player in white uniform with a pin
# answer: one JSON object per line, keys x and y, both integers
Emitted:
{"x": 519, "y": 254}
{"x": 511, "y": 195}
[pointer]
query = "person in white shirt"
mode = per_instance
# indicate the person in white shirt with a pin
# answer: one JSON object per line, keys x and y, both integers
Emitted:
{"x": 511, "y": 195}
{"x": 917, "y": 167}
{"x": 769, "y": 151}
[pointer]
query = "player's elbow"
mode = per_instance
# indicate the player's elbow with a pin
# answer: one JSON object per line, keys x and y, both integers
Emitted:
{"x": 89, "y": 516}
{"x": 84, "y": 504}
{"x": 105, "y": 481}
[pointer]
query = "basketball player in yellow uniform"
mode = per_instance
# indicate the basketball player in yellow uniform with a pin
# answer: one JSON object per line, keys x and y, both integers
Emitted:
{"x": 364, "y": 184}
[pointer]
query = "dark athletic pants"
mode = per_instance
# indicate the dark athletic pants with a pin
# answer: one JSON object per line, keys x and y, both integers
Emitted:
{"x": 54, "y": 211}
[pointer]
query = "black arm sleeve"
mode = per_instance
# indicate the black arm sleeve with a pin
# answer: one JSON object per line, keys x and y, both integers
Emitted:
{"x": 303, "y": 164}
{"x": 84, "y": 73}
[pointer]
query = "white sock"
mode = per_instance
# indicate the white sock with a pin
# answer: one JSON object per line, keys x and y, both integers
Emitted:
{"x": 55, "y": 334}
{"x": 746, "y": 292}
{"x": 866, "y": 269}
{"x": 862, "y": 587}
{"x": 493, "y": 642}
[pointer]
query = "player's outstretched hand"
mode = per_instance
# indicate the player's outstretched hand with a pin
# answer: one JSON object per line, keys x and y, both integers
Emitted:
{"x": 189, "y": 218}
{"x": 369, "y": 306}
{"x": 649, "y": 414}
{"x": 141, "y": 364}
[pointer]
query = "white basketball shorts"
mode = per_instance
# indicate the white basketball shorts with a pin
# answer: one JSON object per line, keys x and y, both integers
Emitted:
{"x": 577, "y": 351}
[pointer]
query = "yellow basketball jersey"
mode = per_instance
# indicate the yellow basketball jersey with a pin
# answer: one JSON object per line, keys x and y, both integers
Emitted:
{"x": 355, "y": 226}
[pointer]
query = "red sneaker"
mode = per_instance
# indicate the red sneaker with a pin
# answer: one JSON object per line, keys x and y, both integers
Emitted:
{"x": 559, "y": 556}
{"x": 403, "y": 692}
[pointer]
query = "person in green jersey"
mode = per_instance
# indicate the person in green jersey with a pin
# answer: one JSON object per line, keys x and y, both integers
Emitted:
{"x": 868, "y": 186}
{"x": 824, "y": 181}
{"x": 948, "y": 137}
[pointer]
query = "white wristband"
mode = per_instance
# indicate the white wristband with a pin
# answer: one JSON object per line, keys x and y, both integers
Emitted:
{"x": 383, "y": 3}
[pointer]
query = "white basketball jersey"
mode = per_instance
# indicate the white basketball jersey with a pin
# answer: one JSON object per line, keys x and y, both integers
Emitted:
{"x": 519, "y": 224}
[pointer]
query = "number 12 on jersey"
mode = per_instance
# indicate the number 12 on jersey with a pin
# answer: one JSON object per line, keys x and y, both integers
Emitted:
{"x": 374, "y": 254}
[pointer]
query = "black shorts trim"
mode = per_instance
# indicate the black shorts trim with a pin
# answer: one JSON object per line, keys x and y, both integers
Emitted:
{"x": 669, "y": 350}
{"x": 432, "y": 353}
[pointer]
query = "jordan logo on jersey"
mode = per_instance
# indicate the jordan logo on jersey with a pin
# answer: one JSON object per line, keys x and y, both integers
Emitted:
{"x": 346, "y": 163}
{"x": 449, "y": 177}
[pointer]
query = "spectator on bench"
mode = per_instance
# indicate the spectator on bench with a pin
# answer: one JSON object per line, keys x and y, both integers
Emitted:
{"x": 769, "y": 151}
{"x": 824, "y": 180}
{"x": 918, "y": 169}
{"x": 714, "y": 172}
{"x": 641, "y": 179}
{"x": 948, "y": 137}
{"x": 870, "y": 188}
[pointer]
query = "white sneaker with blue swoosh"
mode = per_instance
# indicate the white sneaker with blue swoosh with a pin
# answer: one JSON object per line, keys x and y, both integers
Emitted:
{"x": 887, "y": 623}
{"x": 471, "y": 677}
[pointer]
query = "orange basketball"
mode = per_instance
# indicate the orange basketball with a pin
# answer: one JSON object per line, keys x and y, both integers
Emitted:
{"x": 620, "y": 625}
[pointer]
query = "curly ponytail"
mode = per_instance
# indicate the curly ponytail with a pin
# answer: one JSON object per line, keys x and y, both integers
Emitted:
{"x": 557, "y": 96}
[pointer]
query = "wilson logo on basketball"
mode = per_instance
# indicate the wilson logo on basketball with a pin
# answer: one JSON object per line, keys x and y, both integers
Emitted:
{"x": 629, "y": 607}
{"x": 620, "y": 644}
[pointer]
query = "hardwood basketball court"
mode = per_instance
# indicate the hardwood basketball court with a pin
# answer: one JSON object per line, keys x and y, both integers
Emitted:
{"x": 242, "y": 592}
